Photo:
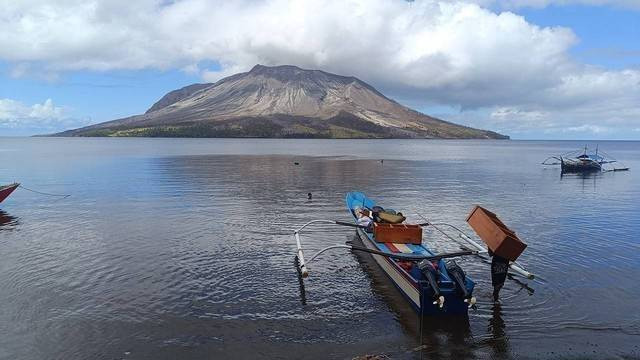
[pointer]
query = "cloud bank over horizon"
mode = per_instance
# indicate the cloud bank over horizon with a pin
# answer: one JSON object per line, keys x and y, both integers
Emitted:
{"x": 495, "y": 69}
{"x": 17, "y": 118}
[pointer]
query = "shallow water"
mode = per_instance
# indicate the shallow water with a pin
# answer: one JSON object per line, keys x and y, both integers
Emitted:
{"x": 182, "y": 248}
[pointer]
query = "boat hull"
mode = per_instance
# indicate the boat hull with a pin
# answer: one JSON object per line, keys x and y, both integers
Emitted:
{"x": 417, "y": 292}
{"x": 579, "y": 166}
{"x": 6, "y": 190}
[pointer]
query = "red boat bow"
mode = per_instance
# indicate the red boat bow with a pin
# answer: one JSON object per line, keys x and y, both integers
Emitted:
{"x": 6, "y": 190}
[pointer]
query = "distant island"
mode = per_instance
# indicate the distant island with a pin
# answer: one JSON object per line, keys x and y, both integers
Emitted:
{"x": 282, "y": 102}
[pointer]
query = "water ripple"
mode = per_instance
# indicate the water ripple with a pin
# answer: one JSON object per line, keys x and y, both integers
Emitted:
{"x": 186, "y": 250}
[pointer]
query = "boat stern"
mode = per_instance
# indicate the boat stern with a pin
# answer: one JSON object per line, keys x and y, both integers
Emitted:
{"x": 454, "y": 303}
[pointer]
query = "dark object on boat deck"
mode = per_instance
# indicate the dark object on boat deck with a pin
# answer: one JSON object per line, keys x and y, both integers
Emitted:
{"x": 499, "y": 269}
{"x": 382, "y": 161}
{"x": 296, "y": 163}
{"x": 391, "y": 217}
{"x": 377, "y": 208}
{"x": 309, "y": 196}
{"x": 6, "y": 190}
{"x": 498, "y": 237}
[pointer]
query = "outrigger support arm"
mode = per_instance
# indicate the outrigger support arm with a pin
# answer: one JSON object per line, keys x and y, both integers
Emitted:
{"x": 395, "y": 256}
{"x": 553, "y": 163}
{"x": 514, "y": 266}
{"x": 343, "y": 223}
{"x": 302, "y": 265}
{"x": 300, "y": 254}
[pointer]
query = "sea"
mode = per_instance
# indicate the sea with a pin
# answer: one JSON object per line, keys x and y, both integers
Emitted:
{"x": 141, "y": 248}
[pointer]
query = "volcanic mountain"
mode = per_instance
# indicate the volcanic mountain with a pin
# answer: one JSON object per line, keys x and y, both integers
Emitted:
{"x": 282, "y": 101}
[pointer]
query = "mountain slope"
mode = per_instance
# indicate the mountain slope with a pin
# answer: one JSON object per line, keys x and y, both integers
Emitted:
{"x": 281, "y": 101}
{"x": 174, "y": 96}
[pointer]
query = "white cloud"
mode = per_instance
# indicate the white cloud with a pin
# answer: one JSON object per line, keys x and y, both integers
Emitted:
{"x": 12, "y": 110}
{"x": 594, "y": 102}
{"x": 17, "y": 118}
{"x": 510, "y": 4}
{"x": 455, "y": 53}
{"x": 451, "y": 52}
{"x": 508, "y": 114}
{"x": 590, "y": 128}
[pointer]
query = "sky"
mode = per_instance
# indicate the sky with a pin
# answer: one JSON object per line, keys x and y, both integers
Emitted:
{"x": 531, "y": 69}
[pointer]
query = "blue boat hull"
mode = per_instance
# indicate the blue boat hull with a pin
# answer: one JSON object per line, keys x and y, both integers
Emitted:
{"x": 411, "y": 284}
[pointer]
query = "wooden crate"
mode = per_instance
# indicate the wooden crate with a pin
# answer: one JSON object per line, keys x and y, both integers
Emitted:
{"x": 397, "y": 233}
{"x": 498, "y": 237}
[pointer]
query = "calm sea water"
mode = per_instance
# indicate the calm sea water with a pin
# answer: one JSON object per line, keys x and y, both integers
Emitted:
{"x": 183, "y": 248}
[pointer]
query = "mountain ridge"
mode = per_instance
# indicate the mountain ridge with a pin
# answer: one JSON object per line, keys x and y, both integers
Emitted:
{"x": 282, "y": 101}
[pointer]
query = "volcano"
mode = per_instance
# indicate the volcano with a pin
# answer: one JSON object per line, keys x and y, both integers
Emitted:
{"x": 282, "y": 102}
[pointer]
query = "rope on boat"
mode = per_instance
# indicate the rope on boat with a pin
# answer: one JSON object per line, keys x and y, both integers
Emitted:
{"x": 44, "y": 193}
{"x": 607, "y": 155}
{"x": 623, "y": 166}
{"x": 551, "y": 157}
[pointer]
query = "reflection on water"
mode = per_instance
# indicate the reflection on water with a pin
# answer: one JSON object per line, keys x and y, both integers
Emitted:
{"x": 177, "y": 248}
{"x": 522, "y": 284}
{"x": 446, "y": 338}
{"x": 435, "y": 337}
{"x": 587, "y": 180}
{"x": 497, "y": 328}
{"x": 7, "y": 222}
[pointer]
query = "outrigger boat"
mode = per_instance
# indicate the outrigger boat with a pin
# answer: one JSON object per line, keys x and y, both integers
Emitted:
{"x": 432, "y": 283}
{"x": 581, "y": 161}
{"x": 6, "y": 190}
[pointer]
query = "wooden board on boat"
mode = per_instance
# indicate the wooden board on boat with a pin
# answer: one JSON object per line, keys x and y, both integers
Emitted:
{"x": 397, "y": 233}
{"x": 499, "y": 238}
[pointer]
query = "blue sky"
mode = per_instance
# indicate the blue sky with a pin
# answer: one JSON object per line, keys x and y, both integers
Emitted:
{"x": 609, "y": 36}
{"x": 97, "y": 96}
{"x": 551, "y": 70}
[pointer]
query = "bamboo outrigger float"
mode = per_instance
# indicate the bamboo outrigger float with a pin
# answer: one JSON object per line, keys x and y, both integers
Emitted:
{"x": 432, "y": 283}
